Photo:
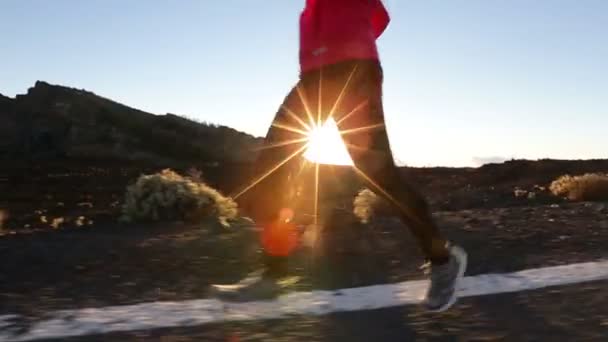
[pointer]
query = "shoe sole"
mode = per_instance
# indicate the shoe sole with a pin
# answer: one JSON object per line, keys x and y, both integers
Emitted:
{"x": 226, "y": 295}
{"x": 230, "y": 293}
{"x": 462, "y": 256}
{"x": 222, "y": 292}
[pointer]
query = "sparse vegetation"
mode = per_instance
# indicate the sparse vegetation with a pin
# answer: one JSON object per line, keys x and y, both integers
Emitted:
{"x": 170, "y": 196}
{"x": 521, "y": 193}
{"x": 586, "y": 187}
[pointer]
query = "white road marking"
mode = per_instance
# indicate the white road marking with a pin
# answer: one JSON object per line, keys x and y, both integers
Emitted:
{"x": 155, "y": 315}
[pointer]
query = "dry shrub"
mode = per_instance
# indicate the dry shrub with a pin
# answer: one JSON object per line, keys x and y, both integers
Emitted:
{"x": 170, "y": 196}
{"x": 368, "y": 204}
{"x": 587, "y": 187}
{"x": 520, "y": 193}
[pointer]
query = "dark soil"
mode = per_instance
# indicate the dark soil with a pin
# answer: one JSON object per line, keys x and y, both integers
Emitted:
{"x": 102, "y": 263}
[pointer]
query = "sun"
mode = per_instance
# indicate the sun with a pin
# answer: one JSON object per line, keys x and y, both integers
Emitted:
{"x": 325, "y": 145}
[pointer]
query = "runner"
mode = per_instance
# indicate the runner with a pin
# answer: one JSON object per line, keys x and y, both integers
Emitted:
{"x": 341, "y": 77}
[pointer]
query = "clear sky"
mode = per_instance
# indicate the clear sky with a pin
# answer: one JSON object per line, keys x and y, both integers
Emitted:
{"x": 464, "y": 80}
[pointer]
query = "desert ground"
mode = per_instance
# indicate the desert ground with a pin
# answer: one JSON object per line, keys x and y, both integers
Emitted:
{"x": 64, "y": 248}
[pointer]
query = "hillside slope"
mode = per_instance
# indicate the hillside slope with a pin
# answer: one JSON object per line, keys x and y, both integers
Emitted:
{"x": 51, "y": 121}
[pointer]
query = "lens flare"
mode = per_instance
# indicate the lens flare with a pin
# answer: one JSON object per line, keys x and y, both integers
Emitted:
{"x": 318, "y": 142}
{"x": 325, "y": 145}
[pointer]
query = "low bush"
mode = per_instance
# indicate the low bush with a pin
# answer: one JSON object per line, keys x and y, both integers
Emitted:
{"x": 169, "y": 196}
{"x": 587, "y": 187}
{"x": 368, "y": 204}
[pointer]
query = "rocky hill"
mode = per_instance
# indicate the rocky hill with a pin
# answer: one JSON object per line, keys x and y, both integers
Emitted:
{"x": 50, "y": 122}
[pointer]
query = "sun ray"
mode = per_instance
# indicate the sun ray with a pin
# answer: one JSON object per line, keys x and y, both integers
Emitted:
{"x": 316, "y": 206}
{"x": 355, "y": 147}
{"x": 281, "y": 144}
{"x": 357, "y": 108}
{"x": 339, "y": 99}
{"x": 388, "y": 196}
{"x": 290, "y": 129}
{"x": 305, "y": 104}
{"x": 320, "y": 98}
{"x": 303, "y": 167}
{"x": 269, "y": 172}
{"x": 360, "y": 129}
{"x": 296, "y": 117}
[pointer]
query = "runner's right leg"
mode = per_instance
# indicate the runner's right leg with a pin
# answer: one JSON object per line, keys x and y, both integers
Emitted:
{"x": 264, "y": 196}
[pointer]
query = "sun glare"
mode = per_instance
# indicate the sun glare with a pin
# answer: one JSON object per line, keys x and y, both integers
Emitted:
{"x": 325, "y": 145}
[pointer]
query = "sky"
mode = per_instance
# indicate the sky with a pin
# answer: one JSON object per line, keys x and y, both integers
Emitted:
{"x": 466, "y": 82}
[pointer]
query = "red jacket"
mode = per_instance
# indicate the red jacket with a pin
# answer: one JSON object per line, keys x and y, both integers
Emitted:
{"x": 336, "y": 30}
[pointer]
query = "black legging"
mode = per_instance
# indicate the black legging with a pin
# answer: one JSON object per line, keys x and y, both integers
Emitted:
{"x": 352, "y": 93}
